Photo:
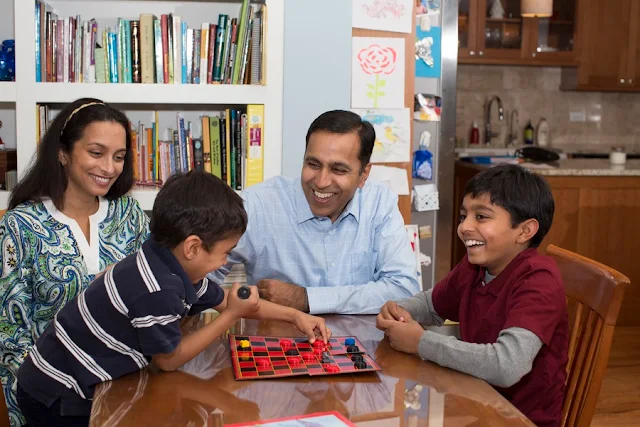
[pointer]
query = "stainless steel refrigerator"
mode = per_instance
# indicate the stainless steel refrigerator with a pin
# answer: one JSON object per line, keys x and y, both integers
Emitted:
{"x": 442, "y": 221}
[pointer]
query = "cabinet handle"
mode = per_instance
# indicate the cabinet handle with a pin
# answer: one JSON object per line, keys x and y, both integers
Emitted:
{"x": 481, "y": 53}
{"x": 622, "y": 81}
{"x": 472, "y": 53}
{"x": 630, "y": 81}
{"x": 533, "y": 54}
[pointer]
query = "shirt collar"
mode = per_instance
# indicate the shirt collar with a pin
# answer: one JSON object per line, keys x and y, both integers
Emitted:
{"x": 171, "y": 262}
{"x": 495, "y": 286}
{"x": 303, "y": 210}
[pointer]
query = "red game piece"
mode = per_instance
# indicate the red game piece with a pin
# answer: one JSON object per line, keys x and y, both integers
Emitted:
{"x": 263, "y": 363}
{"x": 331, "y": 368}
{"x": 308, "y": 356}
{"x": 294, "y": 361}
{"x": 318, "y": 344}
{"x": 318, "y": 351}
{"x": 285, "y": 344}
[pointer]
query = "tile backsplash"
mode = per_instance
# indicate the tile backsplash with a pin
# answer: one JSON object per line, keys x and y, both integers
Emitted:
{"x": 610, "y": 119}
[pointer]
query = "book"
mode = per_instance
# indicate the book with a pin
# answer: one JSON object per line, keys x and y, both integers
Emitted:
{"x": 319, "y": 419}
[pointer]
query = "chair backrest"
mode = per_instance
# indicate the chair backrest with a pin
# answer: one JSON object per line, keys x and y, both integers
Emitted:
{"x": 2, "y": 211}
{"x": 594, "y": 296}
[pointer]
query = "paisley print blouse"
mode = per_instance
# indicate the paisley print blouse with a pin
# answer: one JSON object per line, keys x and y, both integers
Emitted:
{"x": 46, "y": 262}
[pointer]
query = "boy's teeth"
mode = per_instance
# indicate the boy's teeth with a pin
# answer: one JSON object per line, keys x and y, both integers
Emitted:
{"x": 469, "y": 243}
{"x": 322, "y": 195}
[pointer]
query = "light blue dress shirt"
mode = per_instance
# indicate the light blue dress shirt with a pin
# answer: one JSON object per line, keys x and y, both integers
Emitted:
{"x": 351, "y": 266}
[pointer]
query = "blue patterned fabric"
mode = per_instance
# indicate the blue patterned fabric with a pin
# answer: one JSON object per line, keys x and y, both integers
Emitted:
{"x": 46, "y": 262}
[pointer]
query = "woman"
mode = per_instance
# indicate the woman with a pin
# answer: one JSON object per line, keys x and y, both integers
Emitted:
{"x": 69, "y": 218}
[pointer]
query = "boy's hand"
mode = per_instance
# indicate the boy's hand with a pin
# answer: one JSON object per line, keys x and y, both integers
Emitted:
{"x": 392, "y": 311}
{"x": 402, "y": 336}
{"x": 313, "y": 326}
{"x": 241, "y": 307}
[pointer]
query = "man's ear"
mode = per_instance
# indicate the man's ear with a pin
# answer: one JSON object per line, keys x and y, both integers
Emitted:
{"x": 364, "y": 175}
{"x": 528, "y": 229}
{"x": 191, "y": 247}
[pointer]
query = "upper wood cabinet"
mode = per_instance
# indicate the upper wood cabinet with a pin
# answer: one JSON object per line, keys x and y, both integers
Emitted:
{"x": 610, "y": 47}
{"x": 493, "y": 32}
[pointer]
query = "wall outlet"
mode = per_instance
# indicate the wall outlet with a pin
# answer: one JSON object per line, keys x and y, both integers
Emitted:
{"x": 577, "y": 116}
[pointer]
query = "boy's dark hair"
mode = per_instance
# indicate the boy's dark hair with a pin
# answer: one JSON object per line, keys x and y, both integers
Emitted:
{"x": 197, "y": 203}
{"x": 522, "y": 193}
{"x": 343, "y": 122}
{"x": 46, "y": 177}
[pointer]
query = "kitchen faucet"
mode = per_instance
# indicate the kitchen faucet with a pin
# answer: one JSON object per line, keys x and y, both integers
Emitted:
{"x": 488, "y": 134}
{"x": 512, "y": 139}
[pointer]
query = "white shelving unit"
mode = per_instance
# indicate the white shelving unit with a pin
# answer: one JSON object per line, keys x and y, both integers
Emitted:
{"x": 7, "y": 91}
{"x": 27, "y": 93}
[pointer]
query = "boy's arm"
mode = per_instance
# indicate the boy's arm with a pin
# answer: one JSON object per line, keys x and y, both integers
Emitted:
{"x": 178, "y": 352}
{"x": 501, "y": 364}
{"x": 194, "y": 343}
{"x": 269, "y": 311}
{"x": 420, "y": 307}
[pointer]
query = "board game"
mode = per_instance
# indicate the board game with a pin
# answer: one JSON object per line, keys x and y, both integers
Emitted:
{"x": 257, "y": 357}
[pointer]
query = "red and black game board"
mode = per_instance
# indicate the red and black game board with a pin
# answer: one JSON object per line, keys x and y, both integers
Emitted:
{"x": 269, "y": 357}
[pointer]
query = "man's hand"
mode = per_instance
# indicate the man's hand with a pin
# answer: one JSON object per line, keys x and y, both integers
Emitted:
{"x": 402, "y": 336}
{"x": 392, "y": 311}
{"x": 313, "y": 326}
{"x": 283, "y": 293}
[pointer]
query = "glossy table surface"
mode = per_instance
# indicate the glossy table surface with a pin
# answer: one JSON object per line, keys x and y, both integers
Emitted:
{"x": 407, "y": 392}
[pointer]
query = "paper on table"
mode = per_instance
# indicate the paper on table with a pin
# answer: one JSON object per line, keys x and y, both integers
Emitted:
{"x": 394, "y": 178}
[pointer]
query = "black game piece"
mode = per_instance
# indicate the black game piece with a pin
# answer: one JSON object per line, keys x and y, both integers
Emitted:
{"x": 357, "y": 358}
{"x": 360, "y": 364}
{"x": 244, "y": 292}
{"x": 326, "y": 359}
{"x": 291, "y": 352}
{"x": 353, "y": 349}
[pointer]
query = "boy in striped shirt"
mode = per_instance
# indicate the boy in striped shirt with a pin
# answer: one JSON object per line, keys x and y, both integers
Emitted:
{"x": 131, "y": 315}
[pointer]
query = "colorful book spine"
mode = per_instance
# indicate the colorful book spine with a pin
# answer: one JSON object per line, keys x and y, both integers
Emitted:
{"x": 255, "y": 118}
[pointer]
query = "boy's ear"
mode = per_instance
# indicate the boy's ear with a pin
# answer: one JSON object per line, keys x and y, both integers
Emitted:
{"x": 192, "y": 245}
{"x": 528, "y": 229}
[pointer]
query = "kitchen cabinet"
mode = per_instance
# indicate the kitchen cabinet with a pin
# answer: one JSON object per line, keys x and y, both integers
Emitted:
{"x": 493, "y": 32}
{"x": 610, "y": 47}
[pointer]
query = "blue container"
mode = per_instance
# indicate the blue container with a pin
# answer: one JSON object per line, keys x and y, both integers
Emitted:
{"x": 8, "y": 60}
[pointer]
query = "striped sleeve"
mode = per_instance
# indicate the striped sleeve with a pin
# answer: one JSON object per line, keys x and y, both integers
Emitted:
{"x": 156, "y": 319}
{"x": 210, "y": 295}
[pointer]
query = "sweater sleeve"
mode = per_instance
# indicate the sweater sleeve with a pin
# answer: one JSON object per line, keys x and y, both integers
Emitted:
{"x": 502, "y": 363}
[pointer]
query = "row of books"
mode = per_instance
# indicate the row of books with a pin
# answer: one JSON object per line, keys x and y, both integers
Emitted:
{"x": 229, "y": 145}
{"x": 151, "y": 49}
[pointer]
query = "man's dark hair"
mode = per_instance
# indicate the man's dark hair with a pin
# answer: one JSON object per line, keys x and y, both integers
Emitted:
{"x": 343, "y": 122}
{"x": 522, "y": 193}
{"x": 197, "y": 203}
{"x": 46, "y": 177}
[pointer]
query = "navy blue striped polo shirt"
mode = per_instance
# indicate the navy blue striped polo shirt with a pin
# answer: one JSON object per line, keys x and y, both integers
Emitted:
{"x": 114, "y": 327}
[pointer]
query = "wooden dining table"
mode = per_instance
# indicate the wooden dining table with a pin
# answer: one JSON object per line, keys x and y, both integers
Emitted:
{"x": 407, "y": 392}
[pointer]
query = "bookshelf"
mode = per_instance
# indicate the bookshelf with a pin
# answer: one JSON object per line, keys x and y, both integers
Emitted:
{"x": 8, "y": 92}
{"x": 27, "y": 93}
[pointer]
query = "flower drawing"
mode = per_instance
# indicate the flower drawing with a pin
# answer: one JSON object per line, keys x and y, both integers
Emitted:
{"x": 377, "y": 60}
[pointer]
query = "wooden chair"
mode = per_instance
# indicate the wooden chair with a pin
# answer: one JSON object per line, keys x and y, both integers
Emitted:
{"x": 594, "y": 296}
{"x": 2, "y": 211}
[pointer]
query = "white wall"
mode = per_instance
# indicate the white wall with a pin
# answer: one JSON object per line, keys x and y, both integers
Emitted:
{"x": 317, "y": 70}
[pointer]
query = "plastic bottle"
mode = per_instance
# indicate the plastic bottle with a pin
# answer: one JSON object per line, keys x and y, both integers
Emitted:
{"x": 528, "y": 133}
{"x": 475, "y": 134}
{"x": 542, "y": 133}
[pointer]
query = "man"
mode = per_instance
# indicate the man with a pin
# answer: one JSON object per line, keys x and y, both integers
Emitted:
{"x": 329, "y": 242}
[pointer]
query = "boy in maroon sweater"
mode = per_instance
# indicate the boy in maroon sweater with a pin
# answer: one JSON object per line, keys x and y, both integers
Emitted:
{"x": 508, "y": 298}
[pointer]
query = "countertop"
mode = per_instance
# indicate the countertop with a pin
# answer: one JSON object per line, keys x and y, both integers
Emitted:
{"x": 586, "y": 167}
{"x": 580, "y": 167}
